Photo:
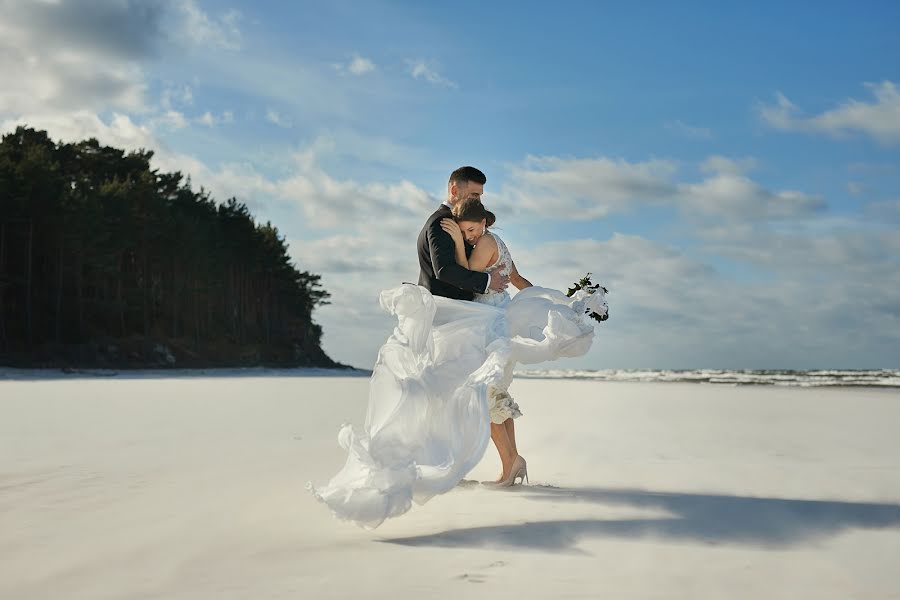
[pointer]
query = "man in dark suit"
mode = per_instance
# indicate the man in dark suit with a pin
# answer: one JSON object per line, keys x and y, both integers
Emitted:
{"x": 438, "y": 271}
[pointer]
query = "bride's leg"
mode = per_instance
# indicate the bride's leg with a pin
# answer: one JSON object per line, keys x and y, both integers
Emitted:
{"x": 511, "y": 434}
{"x": 504, "y": 448}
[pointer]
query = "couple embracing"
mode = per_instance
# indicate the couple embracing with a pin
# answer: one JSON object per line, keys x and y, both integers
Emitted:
{"x": 439, "y": 388}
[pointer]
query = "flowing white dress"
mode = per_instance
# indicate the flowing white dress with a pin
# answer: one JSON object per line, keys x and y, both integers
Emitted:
{"x": 501, "y": 405}
{"x": 434, "y": 384}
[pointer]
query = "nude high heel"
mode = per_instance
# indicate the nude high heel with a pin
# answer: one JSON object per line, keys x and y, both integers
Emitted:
{"x": 519, "y": 471}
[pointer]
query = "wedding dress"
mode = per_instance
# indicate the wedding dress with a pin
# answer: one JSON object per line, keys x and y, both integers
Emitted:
{"x": 501, "y": 405}
{"x": 504, "y": 263}
{"x": 436, "y": 380}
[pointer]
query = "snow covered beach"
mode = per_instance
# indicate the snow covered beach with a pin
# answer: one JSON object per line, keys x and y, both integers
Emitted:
{"x": 193, "y": 487}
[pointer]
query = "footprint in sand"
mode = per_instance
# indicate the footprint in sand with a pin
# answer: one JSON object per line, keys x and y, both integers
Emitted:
{"x": 468, "y": 483}
{"x": 479, "y": 577}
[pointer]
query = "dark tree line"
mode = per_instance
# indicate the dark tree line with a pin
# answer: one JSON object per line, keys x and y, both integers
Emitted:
{"x": 102, "y": 257}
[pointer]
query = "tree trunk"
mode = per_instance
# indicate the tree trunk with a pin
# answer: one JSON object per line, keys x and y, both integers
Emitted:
{"x": 29, "y": 335}
{"x": 196, "y": 315}
{"x": 145, "y": 291}
{"x": 175, "y": 291}
{"x": 119, "y": 301}
{"x": 210, "y": 330}
{"x": 267, "y": 306}
{"x": 59, "y": 291}
{"x": 79, "y": 293}
{"x": 2, "y": 285}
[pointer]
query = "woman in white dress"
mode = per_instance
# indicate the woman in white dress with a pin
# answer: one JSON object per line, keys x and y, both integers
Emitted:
{"x": 470, "y": 223}
{"x": 438, "y": 390}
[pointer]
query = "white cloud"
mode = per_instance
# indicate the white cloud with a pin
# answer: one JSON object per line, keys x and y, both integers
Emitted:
{"x": 120, "y": 131}
{"x": 274, "y": 117}
{"x": 727, "y": 166}
{"x": 884, "y": 212}
{"x": 852, "y": 253}
{"x": 843, "y": 283}
{"x": 66, "y": 63}
{"x": 340, "y": 145}
{"x": 584, "y": 189}
{"x": 879, "y": 119}
{"x": 856, "y": 188}
{"x": 873, "y": 169}
{"x": 422, "y": 69}
{"x": 218, "y": 32}
{"x": 129, "y": 31}
{"x": 171, "y": 119}
{"x": 330, "y": 203}
{"x": 736, "y": 197}
{"x": 324, "y": 202}
{"x": 689, "y": 131}
{"x": 172, "y": 95}
{"x": 587, "y": 188}
{"x": 40, "y": 76}
{"x": 75, "y": 56}
{"x": 211, "y": 120}
{"x": 358, "y": 65}
{"x": 675, "y": 309}
{"x": 779, "y": 116}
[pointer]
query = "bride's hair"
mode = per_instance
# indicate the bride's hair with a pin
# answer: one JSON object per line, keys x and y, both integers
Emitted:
{"x": 471, "y": 209}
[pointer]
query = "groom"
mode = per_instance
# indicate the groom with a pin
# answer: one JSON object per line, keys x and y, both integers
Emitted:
{"x": 438, "y": 271}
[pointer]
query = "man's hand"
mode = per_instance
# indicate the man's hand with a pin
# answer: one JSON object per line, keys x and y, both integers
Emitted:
{"x": 498, "y": 282}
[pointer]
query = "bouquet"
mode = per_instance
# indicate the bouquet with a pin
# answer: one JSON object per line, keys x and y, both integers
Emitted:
{"x": 594, "y": 297}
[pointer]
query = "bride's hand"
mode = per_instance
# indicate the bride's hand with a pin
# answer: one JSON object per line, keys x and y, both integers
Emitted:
{"x": 451, "y": 227}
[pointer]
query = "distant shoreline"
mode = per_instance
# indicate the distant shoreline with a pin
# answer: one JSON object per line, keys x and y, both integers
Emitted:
{"x": 39, "y": 374}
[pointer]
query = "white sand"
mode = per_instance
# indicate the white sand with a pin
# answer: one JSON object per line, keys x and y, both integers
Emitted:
{"x": 194, "y": 488}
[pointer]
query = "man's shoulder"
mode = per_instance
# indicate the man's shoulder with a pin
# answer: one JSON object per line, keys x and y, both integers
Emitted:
{"x": 441, "y": 213}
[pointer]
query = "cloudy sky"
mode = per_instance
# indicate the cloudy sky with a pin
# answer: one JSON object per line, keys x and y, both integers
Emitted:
{"x": 731, "y": 174}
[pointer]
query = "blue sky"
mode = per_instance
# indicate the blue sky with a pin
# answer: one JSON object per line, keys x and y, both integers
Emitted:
{"x": 729, "y": 172}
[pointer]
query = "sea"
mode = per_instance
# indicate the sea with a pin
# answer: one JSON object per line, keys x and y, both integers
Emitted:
{"x": 879, "y": 378}
{"x": 874, "y": 378}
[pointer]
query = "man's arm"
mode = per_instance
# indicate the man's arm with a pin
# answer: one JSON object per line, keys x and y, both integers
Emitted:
{"x": 443, "y": 261}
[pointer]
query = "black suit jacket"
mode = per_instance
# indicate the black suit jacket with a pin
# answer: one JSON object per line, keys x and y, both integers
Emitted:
{"x": 438, "y": 271}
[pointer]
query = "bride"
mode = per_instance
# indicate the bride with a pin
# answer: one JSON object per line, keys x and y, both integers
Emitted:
{"x": 439, "y": 388}
{"x": 471, "y": 220}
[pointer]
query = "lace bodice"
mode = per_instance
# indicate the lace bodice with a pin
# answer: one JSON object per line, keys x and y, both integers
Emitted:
{"x": 504, "y": 264}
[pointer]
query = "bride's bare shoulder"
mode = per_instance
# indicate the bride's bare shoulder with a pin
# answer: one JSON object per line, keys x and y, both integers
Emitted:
{"x": 486, "y": 247}
{"x": 484, "y": 254}
{"x": 490, "y": 241}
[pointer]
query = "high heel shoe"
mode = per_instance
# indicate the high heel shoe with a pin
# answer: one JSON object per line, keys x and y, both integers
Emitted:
{"x": 519, "y": 470}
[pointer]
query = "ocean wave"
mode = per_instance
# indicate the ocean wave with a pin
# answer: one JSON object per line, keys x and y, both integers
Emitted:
{"x": 814, "y": 378}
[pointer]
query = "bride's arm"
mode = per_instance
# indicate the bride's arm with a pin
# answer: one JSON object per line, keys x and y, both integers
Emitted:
{"x": 450, "y": 226}
{"x": 517, "y": 280}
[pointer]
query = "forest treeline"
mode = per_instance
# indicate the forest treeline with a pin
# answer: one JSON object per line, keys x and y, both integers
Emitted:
{"x": 105, "y": 261}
